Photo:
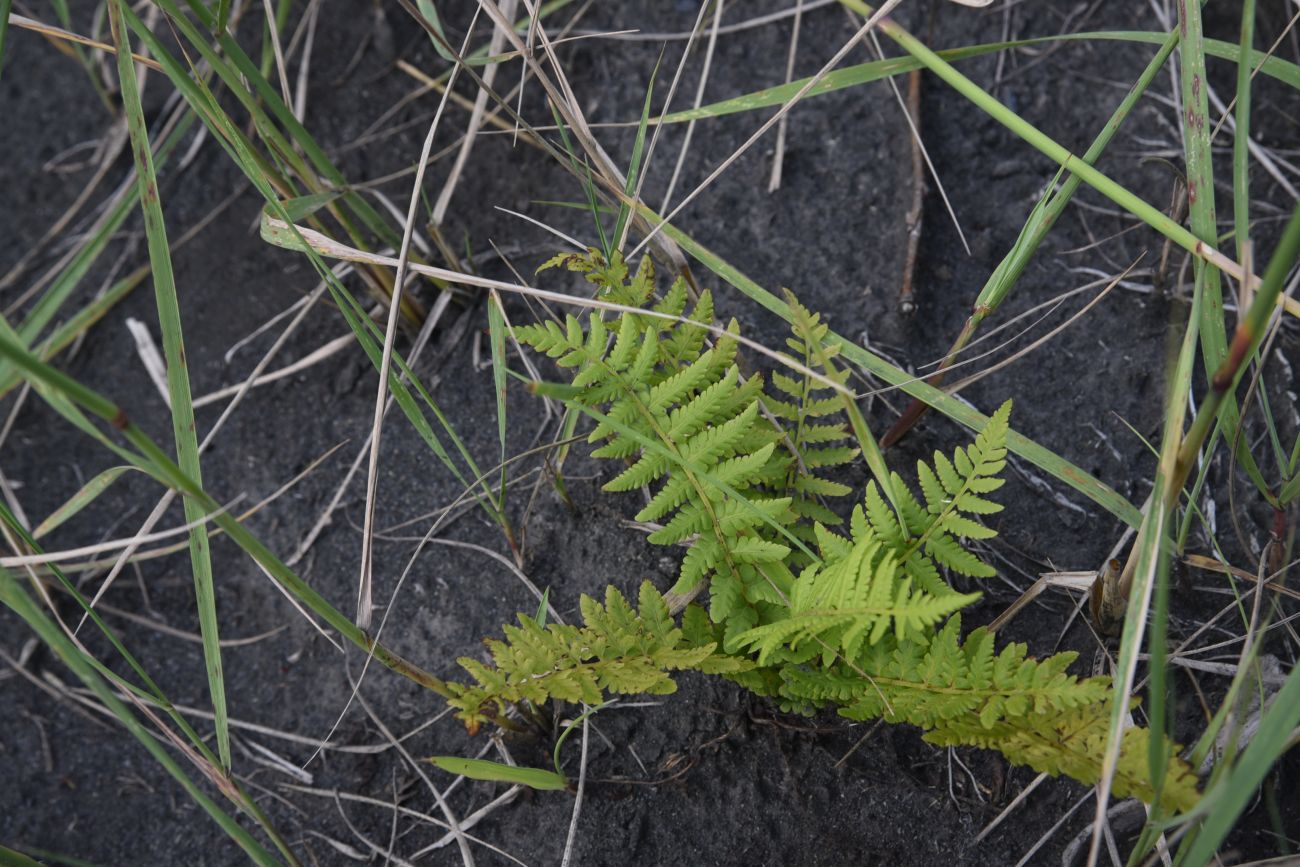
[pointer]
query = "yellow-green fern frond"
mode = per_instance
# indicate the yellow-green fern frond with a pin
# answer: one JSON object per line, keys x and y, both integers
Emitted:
{"x": 1073, "y": 742}
{"x": 857, "y": 599}
{"x": 618, "y": 650}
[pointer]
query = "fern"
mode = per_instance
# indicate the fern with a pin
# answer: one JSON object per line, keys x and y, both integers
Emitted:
{"x": 680, "y": 412}
{"x": 929, "y": 681}
{"x": 868, "y": 626}
{"x": 1070, "y": 742}
{"x": 859, "y": 598}
{"x": 816, "y": 440}
{"x": 618, "y": 650}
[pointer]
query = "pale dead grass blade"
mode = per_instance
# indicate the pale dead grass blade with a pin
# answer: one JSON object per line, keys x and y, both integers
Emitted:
{"x": 476, "y": 115}
{"x": 866, "y": 28}
{"x": 582, "y": 785}
{"x": 699, "y": 97}
{"x": 58, "y": 33}
{"x": 87, "y": 550}
{"x": 366, "y": 578}
{"x": 452, "y": 823}
{"x": 778, "y": 157}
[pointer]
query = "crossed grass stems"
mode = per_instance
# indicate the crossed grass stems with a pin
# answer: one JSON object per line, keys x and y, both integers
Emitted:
{"x": 300, "y": 184}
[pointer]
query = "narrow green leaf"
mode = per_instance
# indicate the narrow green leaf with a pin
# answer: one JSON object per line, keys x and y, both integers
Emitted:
{"x": 81, "y": 499}
{"x": 4, "y": 29}
{"x": 16, "y": 598}
{"x": 482, "y": 769}
{"x": 634, "y": 166}
{"x": 1228, "y": 799}
{"x": 865, "y": 73}
{"x": 1290, "y": 491}
{"x": 178, "y": 380}
{"x": 302, "y": 207}
{"x": 497, "y": 340}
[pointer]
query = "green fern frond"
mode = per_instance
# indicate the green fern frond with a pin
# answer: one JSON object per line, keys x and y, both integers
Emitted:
{"x": 619, "y": 650}
{"x": 1073, "y": 742}
{"x": 953, "y": 487}
{"x": 738, "y": 475}
{"x": 814, "y": 444}
{"x": 928, "y": 681}
{"x": 858, "y": 598}
{"x": 718, "y": 476}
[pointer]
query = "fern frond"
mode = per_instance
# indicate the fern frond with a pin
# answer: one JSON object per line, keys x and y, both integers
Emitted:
{"x": 855, "y": 599}
{"x": 618, "y": 650}
{"x": 736, "y": 475}
{"x": 929, "y": 682}
{"x": 811, "y": 441}
{"x": 716, "y": 471}
{"x": 1073, "y": 742}
{"x": 953, "y": 487}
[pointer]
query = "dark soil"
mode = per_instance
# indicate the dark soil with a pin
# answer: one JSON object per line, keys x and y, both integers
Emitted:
{"x": 710, "y": 775}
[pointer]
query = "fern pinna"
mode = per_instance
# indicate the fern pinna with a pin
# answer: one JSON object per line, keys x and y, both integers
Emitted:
{"x": 863, "y": 622}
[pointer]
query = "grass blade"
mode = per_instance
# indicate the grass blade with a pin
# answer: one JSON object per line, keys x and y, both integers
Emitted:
{"x": 865, "y": 73}
{"x": 178, "y": 381}
{"x": 5, "y": 5}
{"x": 496, "y": 772}
{"x": 1238, "y": 788}
{"x": 1241, "y": 139}
{"x": 1149, "y": 560}
{"x": 13, "y": 596}
{"x": 634, "y": 166}
{"x": 81, "y": 499}
{"x": 497, "y": 340}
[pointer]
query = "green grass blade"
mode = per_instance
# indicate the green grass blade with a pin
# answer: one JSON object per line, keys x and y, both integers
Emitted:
{"x": 178, "y": 379}
{"x": 1151, "y": 556}
{"x": 88, "y": 493}
{"x": 634, "y": 165}
{"x": 1241, "y": 139}
{"x": 14, "y": 597}
{"x": 10, "y": 857}
{"x": 1202, "y": 219}
{"x": 865, "y": 73}
{"x": 497, "y": 339}
{"x": 496, "y": 772}
{"x": 151, "y": 459}
{"x": 5, "y": 5}
{"x": 1238, "y": 788}
{"x": 583, "y": 172}
{"x": 430, "y": 13}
